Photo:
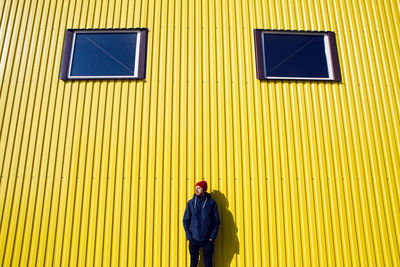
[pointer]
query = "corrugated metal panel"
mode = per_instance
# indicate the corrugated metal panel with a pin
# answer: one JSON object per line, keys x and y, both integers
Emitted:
{"x": 99, "y": 172}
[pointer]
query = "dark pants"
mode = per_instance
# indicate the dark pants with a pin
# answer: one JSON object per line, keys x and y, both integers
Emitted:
{"x": 208, "y": 251}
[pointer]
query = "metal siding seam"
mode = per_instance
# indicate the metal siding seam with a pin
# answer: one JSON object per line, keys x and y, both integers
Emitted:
{"x": 148, "y": 172}
{"x": 205, "y": 96}
{"x": 269, "y": 159}
{"x": 380, "y": 168}
{"x": 385, "y": 169}
{"x": 236, "y": 122}
{"x": 4, "y": 142}
{"x": 52, "y": 114}
{"x": 258, "y": 174}
{"x": 6, "y": 31}
{"x": 141, "y": 158}
{"x": 226, "y": 85}
{"x": 177, "y": 209}
{"x": 57, "y": 177}
{"x": 391, "y": 172}
{"x": 77, "y": 175}
{"x": 5, "y": 253}
{"x": 391, "y": 83}
{"x": 332, "y": 174}
{"x": 160, "y": 178}
{"x": 5, "y": 154}
{"x": 260, "y": 133}
{"x": 374, "y": 170}
{"x": 340, "y": 208}
{"x": 211, "y": 27}
{"x": 197, "y": 87}
{"x": 218, "y": 70}
{"x": 91, "y": 175}
{"x": 293, "y": 174}
{"x": 183, "y": 121}
{"x": 69, "y": 176}
{"x": 300, "y": 179}
{"x": 25, "y": 180}
{"x": 120, "y": 175}
{"x": 245, "y": 177}
{"x": 273, "y": 199}
{"x": 311, "y": 174}
{"x": 168, "y": 180}
{"x": 338, "y": 171}
{"x": 46, "y": 122}
{"x": 254, "y": 167}
{"x": 360, "y": 170}
{"x": 99, "y": 173}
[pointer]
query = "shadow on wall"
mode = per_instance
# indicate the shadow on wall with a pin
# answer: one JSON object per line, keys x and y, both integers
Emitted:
{"x": 227, "y": 242}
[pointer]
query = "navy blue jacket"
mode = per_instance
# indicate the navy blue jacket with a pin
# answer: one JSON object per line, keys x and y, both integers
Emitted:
{"x": 201, "y": 219}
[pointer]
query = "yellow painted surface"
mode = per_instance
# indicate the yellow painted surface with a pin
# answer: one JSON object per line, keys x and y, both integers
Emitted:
{"x": 99, "y": 172}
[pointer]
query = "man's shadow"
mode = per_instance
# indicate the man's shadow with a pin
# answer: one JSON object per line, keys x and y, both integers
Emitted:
{"x": 227, "y": 242}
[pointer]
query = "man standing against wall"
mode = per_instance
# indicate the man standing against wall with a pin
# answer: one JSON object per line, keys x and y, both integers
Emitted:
{"x": 201, "y": 223}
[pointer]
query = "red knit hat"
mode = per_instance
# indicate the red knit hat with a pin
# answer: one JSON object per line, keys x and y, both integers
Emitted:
{"x": 202, "y": 184}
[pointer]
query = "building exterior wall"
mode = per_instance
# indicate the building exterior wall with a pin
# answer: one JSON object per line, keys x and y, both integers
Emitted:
{"x": 99, "y": 172}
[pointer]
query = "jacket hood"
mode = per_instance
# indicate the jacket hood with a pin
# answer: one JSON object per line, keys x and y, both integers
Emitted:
{"x": 206, "y": 195}
{"x": 204, "y": 198}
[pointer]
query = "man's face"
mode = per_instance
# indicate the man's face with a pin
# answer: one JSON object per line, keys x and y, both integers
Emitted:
{"x": 199, "y": 190}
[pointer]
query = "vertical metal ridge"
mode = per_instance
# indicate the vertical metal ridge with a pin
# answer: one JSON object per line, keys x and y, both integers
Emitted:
{"x": 256, "y": 174}
{"x": 236, "y": 130}
{"x": 56, "y": 178}
{"x": 39, "y": 176}
{"x": 391, "y": 116}
{"x": 51, "y": 178}
{"x": 77, "y": 176}
{"x": 5, "y": 253}
{"x": 374, "y": 170}
{"x": 24, "y": 177}
{"x": 7, "y": 115}
{"x": 5, "y": 40}
{"x": 357, "y": 175}
{"x": 382, "y": 169}
{"x": 259, "y": 111}
{"x": 385, "y": 169}
{"x": 242, "y": 172}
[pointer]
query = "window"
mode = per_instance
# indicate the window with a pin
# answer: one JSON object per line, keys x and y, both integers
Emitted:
{"x": 104, "y": 54}
{"x": 296, "y": 55}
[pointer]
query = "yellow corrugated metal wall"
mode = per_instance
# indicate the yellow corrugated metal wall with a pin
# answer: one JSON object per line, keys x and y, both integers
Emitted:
{"x": 99, "y": 172}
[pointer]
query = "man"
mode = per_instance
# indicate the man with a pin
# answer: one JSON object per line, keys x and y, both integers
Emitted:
{"x": 201, "y": 223}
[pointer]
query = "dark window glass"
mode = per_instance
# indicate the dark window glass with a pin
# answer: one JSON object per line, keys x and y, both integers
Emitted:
{"x": 97, "y": 54}
{"x": 296, "y": 55}
{"x": 104, "y": 54}
{"x": 291, "y": 55}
